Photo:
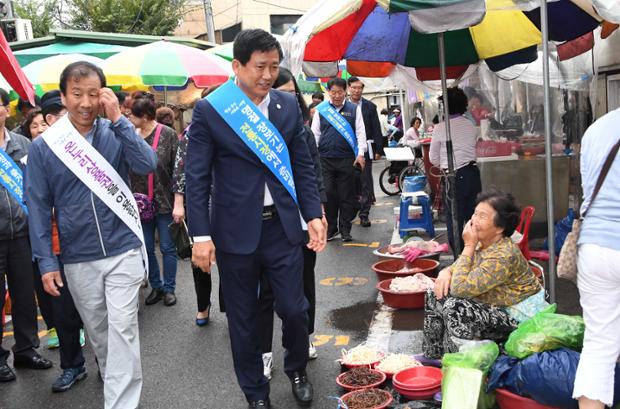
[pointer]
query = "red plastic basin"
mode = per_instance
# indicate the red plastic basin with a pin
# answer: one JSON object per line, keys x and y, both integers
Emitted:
{"x": 508, "y": 400}
{"x": 418, "y": 395}
{"x": 388, "y": 268}
{"x": 388, "y": 398}
{"x": 418, "y": 378}
{"x": 353, "y": 388}
{"x": 400, "y": 300}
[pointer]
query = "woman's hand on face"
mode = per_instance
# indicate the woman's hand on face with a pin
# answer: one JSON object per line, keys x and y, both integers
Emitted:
{"x": 442, "y": 283}
{"x": 470, "y": 235}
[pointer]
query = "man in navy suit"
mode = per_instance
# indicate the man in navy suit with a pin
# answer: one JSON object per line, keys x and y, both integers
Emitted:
{"x": 236, "y": 205}
{"x": 374, "y": 139}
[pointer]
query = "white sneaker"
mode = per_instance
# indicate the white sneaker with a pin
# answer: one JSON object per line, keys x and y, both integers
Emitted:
{"x": 312, "y": 351}
{"x": 267, "y": 364}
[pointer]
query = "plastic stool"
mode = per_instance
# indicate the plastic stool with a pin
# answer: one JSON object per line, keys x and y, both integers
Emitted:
{"x": 425, "y": 222}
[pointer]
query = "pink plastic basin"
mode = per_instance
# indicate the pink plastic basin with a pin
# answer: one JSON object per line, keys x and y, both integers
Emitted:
{"x": 388, "y": 398}
{"x": 509, "y": 400}
{"x": 388, "y": 268}
{"x": 400, "y": 300}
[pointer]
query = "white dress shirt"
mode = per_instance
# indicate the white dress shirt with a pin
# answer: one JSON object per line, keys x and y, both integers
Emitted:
{"x": 464, "y": 135}
{"x": 268, "y": 201}
{"x": 360, "y": 129}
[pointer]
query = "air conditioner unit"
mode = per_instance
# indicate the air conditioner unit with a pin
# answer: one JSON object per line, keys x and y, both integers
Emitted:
{"x": 17, "y": 29}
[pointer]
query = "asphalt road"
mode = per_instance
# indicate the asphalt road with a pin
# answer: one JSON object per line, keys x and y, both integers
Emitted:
{"x": 188, "y": 367}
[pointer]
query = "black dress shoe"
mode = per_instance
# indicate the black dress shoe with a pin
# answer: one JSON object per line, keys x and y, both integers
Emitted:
{"x": 6, "y": 373}
{"x": 259, "y": 404}
{"x": 169, "y": 299}
{"x": 302, "y": 388}
{"x": 154, "y": 297}
{"x": 33, "y": 362}
{"x": 346, "y": 237}
{"x": 365, "y": 222}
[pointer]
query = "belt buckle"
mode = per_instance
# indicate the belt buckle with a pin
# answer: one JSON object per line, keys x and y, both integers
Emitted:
{"x": 268, "y": 214}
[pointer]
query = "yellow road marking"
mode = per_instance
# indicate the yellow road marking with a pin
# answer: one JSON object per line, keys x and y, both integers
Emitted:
{"x": 327, "y": 281}
{"x": 341, "y": 340}
{"x": 321, "y": 339}
{"x": 374, "y": 245}
{"x": 340, "y": 281}
{"x": 354, "y": 245}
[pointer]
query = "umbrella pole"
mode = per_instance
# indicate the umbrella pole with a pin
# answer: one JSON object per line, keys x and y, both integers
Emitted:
{"x": 548, "y": 148}
{"x": 451, "y": 177}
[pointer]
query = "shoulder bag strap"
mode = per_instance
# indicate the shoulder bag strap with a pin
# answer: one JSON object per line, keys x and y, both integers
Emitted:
{"x": 601, "y": 178}
{"x": 151, "y": 177}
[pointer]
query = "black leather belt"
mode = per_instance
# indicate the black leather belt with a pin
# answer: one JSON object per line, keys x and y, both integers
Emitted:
{"x": 269, "y": 212}
{"x": 472, "y": 163}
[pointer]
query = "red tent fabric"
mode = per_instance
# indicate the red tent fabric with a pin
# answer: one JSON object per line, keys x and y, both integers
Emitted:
{"x": 12, "y": 72}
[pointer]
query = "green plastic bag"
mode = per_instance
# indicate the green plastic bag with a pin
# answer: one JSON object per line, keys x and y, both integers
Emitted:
{"x": 464, "y": 372}
{"x": 546, "y": 331}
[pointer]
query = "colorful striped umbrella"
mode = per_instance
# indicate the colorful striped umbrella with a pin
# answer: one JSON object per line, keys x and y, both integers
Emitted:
{"x": 45, "y": 73}
{"x": 166, "y": 64}
{"x": 374, "y": 41}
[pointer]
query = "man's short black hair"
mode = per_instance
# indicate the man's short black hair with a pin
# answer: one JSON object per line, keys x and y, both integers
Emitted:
{"x": 249, "y": 41}
{"x": 4, "y": 97}
{"x": 506, "y": 207}
{"x": 351, "y": 80}
{"x": 457, "y": 101}
{"x": 24, "y": 103}
{"x": 338, "y": 82}
{"x": 318, "y": 95}
{"x": 78, "y": 70}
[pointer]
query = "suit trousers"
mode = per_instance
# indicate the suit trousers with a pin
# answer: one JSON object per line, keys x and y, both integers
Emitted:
{"x": 44, "y": 300}
{"x": 339, "y": 180}
{"x": 106, "y": 295}
{"x": 282, "y": 264}
{"x": 16, "y": 266}
{"x": 368, "y": 190}
{"x": 202, "y": 285}
{"x": 266, "y": 300}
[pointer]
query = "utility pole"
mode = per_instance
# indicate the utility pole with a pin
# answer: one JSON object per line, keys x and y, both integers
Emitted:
{"x": 209, "y": 21}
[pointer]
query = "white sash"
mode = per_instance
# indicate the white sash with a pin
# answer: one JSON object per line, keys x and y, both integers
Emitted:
{"x": 87, "y": 164}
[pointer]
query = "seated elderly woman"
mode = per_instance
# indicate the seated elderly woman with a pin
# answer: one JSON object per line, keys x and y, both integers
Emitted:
{"x": 489, "y": 289}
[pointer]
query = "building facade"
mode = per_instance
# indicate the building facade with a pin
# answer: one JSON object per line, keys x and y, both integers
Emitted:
{"x": 232, "y": 16}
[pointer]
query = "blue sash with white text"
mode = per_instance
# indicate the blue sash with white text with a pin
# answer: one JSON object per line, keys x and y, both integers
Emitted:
{"x": 335, "y": 119}
{"x": 255, "y": 130}
{"x": 12, "y": 178}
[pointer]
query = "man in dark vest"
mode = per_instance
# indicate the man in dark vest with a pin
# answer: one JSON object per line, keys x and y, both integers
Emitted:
{"x": 339, "y": 130}
{"x": 374, "y": 139}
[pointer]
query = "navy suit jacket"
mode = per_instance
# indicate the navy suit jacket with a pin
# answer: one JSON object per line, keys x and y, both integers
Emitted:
{"x": 372, "y": 125}
{"x": 225, "y": 180}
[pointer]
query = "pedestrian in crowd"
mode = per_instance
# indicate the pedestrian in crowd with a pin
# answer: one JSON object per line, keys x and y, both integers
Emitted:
{"x": 101, "y": 253}
{"x": 15, "y": 255}
{"x": 341, "y": 137}
{"x": 467, "y": 183}
{"x": 202, "y": 279}
{"x": 122, "y": 96}
{"x": 311, "y": 112}
{"x": 412, "y": 136}
{"x": 243, "y": 213}
{"x": 374, "y": 140}
{"x": 397, "y": 120}
{"x": 165, "y": 116}
{"x": 476, "y": 111}
{"x": 24, "y": 107}
{"x": 318, "y": 97}
{"x": 155, "y": 191}
{"x": 286, "y": 83}
{"x": 66, "y": 333}
{"x": 599, "y": 271}
{"x": 34, "y": 124}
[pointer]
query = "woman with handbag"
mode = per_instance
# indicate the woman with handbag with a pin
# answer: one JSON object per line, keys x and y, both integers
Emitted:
{"x": 154, "y": 196}
{"x": 598, "y": 252}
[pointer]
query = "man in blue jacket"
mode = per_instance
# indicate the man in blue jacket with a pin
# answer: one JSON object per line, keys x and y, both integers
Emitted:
{"x": 237, "y": 205}
{"x": 100, "y": 253}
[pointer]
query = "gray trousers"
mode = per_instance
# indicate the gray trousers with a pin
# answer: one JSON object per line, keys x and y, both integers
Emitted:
{"x": 106, "y": 295}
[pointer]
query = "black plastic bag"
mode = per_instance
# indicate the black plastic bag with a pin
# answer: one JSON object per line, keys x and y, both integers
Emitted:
{"x": 181, "y": 239}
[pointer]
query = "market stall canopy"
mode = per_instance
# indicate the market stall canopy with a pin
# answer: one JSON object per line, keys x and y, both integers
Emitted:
{"x": 166, "y": 64}
{"x": 12, "y": 72}
{"x": 374, "y": 41}
{"x": 30, "y": 55}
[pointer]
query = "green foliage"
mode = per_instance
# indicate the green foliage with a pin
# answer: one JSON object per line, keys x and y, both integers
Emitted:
{"x": 40, "y": 12}
{"x": 152, "y": 17}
